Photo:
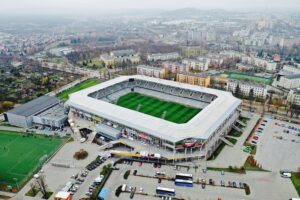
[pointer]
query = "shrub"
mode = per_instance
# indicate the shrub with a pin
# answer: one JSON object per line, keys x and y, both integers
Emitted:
{"x": 247, "y": 189}
{"x": 127, "y": 173}
{"x": 81, "y": 154}
{"x": 118, "y": 191}
{"x": 105, "y": 169}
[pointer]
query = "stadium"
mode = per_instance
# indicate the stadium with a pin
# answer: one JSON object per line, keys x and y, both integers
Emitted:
{"x": 171, "y": 116}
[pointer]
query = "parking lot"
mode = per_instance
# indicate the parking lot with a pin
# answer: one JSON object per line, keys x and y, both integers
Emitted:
{"x": 278, "y": 145}
{"x": 261, "y": 184}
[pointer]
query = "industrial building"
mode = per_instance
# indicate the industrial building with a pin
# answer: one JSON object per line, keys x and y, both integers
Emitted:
{"x": 45, "y": 110}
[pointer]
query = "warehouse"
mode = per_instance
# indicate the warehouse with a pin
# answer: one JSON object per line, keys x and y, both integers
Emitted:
{"x": 45, "y": 110}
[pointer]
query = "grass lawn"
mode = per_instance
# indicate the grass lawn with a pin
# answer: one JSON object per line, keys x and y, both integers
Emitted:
{"x": 245, "y": 77}
{"x": 23, "y": 155}
{"x": 249, "y": 167}
{"x": 296, "y": 182}
{"x": 235, "y": 133}
{"x": 85, "y": 84}
{"x": 232, "y": 140}
{"x": 167, "y": 110}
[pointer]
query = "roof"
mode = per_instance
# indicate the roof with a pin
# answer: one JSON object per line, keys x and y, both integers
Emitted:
{"x": 34, "y": 106}
{"x": 150, "y": 67}
{"x": 125, "y": 52}
{"x": 201, "y": 126}
{"x": 104, "y": 193}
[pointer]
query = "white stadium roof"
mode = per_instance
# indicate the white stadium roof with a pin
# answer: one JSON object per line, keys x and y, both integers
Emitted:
{"x": 200, "y": 126}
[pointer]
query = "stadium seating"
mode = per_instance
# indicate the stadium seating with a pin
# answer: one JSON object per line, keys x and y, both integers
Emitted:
{"x": 108, "y": 94}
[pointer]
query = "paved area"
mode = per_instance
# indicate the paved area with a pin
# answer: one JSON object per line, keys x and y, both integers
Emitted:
{"x": 263, "y": 185}
{"x": 235, "y": 156}
{"x": 56, "y": 177}
{"x": 279, "y": 150}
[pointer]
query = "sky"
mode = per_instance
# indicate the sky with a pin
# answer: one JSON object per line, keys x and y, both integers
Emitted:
{"x": 77, "y": 7}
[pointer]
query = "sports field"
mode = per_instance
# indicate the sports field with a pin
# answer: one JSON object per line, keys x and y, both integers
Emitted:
{"x": 167, "y": 110}
{"x": 22, "y": 155}
{"x": 85, "y": 84}
{"x": 245, "y": 77}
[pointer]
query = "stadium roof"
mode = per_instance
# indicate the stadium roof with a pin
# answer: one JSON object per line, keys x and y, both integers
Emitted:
{"x": 34, "y": 106}
{"x": 201, "y": 126}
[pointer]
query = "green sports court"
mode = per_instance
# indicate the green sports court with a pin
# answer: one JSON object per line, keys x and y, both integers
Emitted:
{"x": 21, "y": 155}
{"x": 170, "y": 111}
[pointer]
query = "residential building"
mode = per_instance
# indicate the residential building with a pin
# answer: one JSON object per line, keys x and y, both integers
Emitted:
{"x": 259, "y": 90}
{"x": 200, "y": 65}
{"x": 294, "y": 97}
{"x": 163, "y": 56}
{"x": 288, "y": 78}
{"x": 175, "y": 67}
{"x": 151, "y": 71}
{"x": 119, "y": 56}
{"x": 194, "y": 79}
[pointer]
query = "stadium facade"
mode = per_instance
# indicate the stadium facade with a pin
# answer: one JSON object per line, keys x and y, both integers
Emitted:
{"x": 204, "y": 132}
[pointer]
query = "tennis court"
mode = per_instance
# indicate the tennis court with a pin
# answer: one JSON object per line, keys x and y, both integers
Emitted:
{"x": 21, "y": 155}
{"x": 167, "y": 110}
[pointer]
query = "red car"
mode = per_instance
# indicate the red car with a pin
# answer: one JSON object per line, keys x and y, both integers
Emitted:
{"x": 229, "y": 184}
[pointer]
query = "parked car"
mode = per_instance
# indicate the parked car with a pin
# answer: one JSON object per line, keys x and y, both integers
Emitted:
{"x": 233, "y": 184}
{"x": 203, "y": 185}
{"x": 241, "y": 185}
{"x": 222, "y": 183}
{"x": 229, "y": 184}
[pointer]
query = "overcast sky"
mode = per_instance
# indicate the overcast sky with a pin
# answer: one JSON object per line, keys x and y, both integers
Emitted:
{"x": 109, "y": 6}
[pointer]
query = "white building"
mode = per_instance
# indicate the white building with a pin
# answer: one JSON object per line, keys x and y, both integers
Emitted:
{"x": 288, "y": 78}
{"x": 163, "y": 56}
{"x": 259, "y": 90}
{"x": 120, "y": 56}
{"x": 294, "y": 97}
{"x": 151, "y": 71}
{"x": 201, "y": 65}
{"x": 175, "y": 67}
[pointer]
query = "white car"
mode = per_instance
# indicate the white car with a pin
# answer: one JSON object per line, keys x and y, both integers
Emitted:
{"x": 286, "y": 175}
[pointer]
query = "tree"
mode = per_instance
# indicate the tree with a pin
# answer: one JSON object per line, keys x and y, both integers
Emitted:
{"x": 7, "y": 105}
{"x": 42, "y": 185}
{"x": 237, "y": 91}
{"x": 251, "y": 98}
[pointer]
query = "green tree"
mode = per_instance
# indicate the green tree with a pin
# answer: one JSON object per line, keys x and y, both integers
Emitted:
{"x": 237, "y": 91}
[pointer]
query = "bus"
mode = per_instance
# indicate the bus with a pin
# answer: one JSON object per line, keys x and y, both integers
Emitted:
{"x": 184, "y": 176}
{"x": 165, "y": 191}
{"x": 180, "y": 182}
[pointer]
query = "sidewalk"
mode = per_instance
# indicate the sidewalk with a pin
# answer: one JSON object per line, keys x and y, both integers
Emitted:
{"x": 235, "y": 156}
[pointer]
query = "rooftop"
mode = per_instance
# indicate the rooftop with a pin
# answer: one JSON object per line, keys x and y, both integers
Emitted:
{"x": 126, "y": 52}
{"x": 34, "y": 106}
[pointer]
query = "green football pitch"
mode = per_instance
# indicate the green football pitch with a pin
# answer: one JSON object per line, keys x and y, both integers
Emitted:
{"x": 256, "y": 79}
{"x": 85, "y": 84}
{"x": 22, "y": 155}
{"x": 167, "y": 110}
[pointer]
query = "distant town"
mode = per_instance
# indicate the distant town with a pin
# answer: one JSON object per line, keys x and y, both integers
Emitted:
{"x": 186, "y": 104}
